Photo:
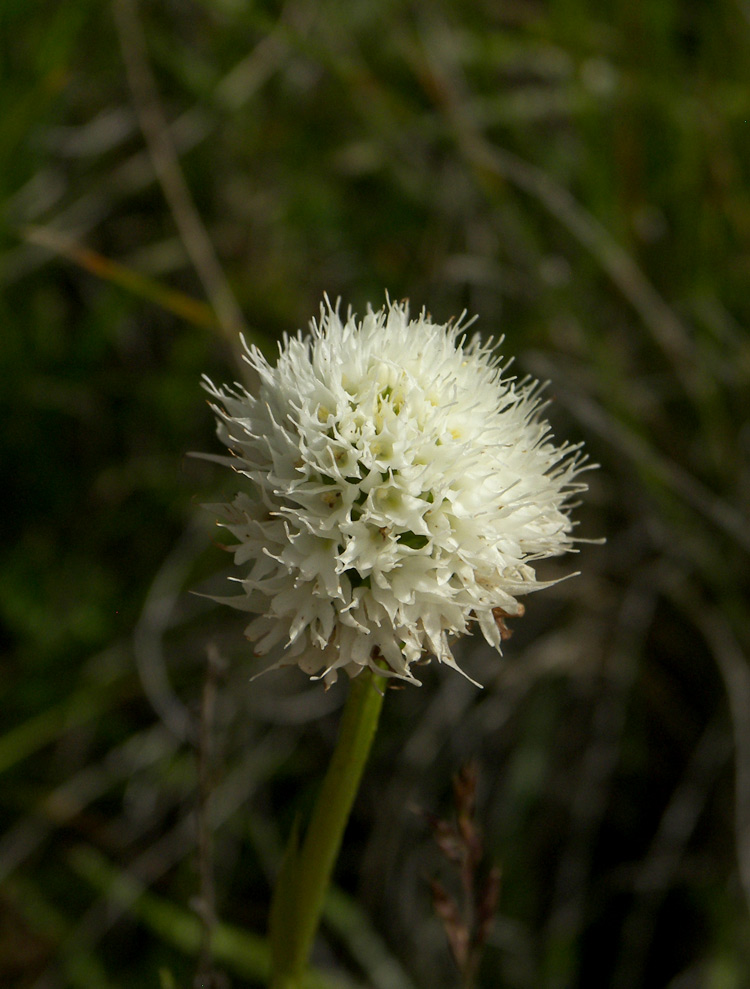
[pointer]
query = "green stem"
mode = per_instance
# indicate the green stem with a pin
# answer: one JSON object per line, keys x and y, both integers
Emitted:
{"x": 300, "y": 891}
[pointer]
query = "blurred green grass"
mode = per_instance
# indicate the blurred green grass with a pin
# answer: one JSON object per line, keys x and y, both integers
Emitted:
{"x": 578, "y": 176}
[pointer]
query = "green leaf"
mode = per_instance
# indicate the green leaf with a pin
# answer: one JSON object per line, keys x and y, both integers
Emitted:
{"x": 285, "y": 900}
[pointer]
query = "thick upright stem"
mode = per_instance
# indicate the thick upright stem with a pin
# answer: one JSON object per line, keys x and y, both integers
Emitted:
{"x": 299, "y": 895}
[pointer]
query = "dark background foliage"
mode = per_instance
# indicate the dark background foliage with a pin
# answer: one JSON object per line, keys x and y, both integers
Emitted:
{"x": 576, "y": 174}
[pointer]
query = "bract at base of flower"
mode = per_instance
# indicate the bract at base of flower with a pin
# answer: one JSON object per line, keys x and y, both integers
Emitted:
{"x": 396, "y": 489}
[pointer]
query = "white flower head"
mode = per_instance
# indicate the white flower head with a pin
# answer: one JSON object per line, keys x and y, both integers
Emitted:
{"x": 398, "y": 489}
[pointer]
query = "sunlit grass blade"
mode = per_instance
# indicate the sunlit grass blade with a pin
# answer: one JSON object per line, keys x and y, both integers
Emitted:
{"x": 192, "y": 310}
{"x": 77, "y": 709}
{"x": 245, "y": 954}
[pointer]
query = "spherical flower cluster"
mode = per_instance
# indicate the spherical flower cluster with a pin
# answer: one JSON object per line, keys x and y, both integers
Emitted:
{"x": 399, "y": 489}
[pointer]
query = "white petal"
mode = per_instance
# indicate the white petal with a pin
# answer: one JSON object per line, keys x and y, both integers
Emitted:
{"x": 398, "y": 486}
